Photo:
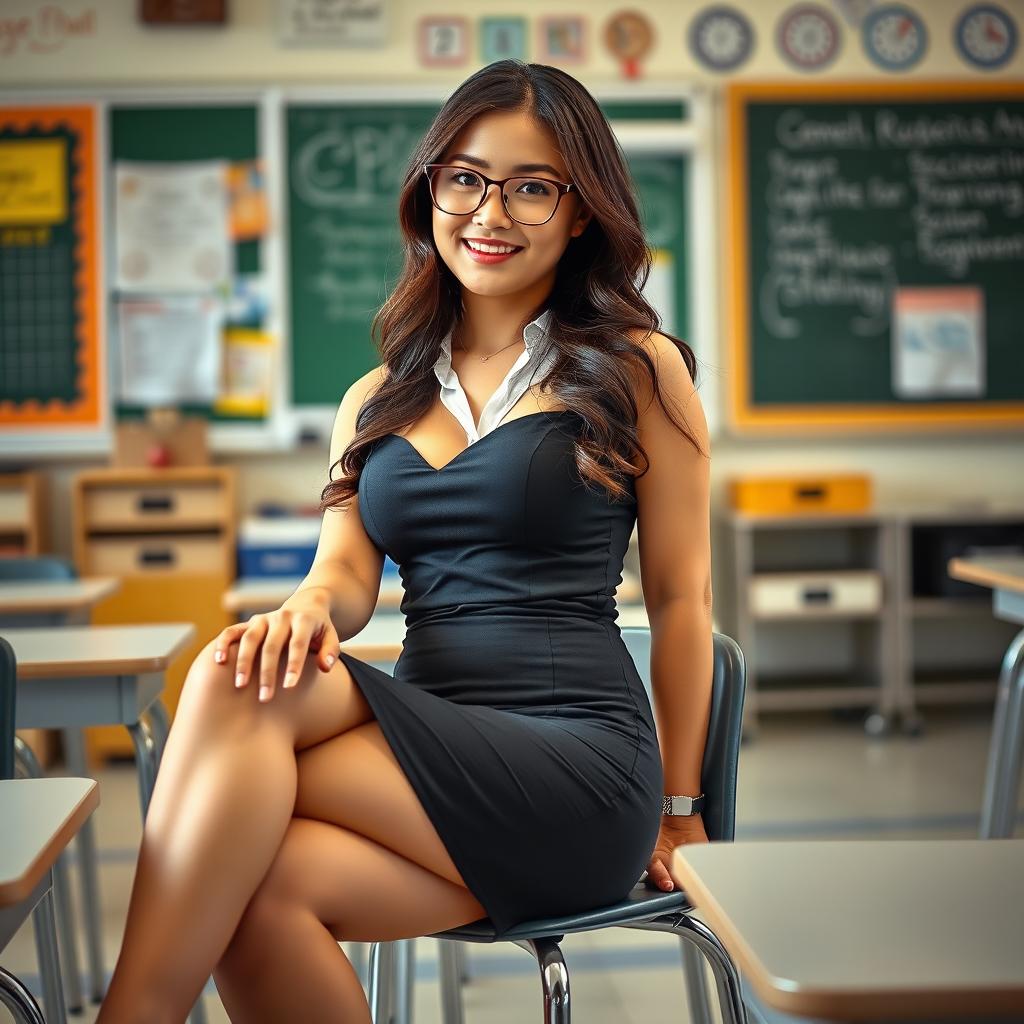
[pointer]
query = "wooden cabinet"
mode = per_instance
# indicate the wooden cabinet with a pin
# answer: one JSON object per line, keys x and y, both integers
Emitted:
{"x": 21, "y": 523}
{"x": 169, "y": 535}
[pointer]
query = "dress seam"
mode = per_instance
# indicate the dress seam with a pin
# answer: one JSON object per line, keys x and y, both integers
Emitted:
{"x": 369, "y": 513}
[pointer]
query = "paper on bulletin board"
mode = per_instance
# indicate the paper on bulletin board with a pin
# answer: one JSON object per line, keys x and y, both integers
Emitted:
{"x": 247, "y": 198}
{"x": 172, "y": 227}
{"x": 170, "y": 349}
{"x": 660, "y": 290}
{"x": 246, "y": 389}
{"x": 34, "y": 181}
{"x": 938, "y": 342}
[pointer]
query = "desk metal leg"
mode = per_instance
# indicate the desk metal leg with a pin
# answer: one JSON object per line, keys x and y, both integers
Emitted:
{"x": 1004, "y": 754}
{"x": 88, "y": 872}
{"x": 45, "y": 927}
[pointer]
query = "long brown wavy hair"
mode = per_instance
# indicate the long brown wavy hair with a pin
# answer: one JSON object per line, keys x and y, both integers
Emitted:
{"x": 596, "y": 298}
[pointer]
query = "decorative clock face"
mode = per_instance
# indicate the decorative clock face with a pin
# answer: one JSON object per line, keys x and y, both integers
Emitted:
{"x": 721, "y": 38}
{"x": 894, "y": 37}
{"x": 808, "y": 37}
{"x": 986, "y": 36}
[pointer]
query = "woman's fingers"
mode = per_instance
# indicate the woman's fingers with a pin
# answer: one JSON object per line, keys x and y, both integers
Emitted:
{"x": 273, "y": 645}
{"x": 329, "y": 646}
{"x": 256, "y": 630}
{"x": 298, "y": 648}
{"x": 227, "y": 636}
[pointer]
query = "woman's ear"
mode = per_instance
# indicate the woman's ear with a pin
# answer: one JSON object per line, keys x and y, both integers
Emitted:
{"x": 581, "y": 222}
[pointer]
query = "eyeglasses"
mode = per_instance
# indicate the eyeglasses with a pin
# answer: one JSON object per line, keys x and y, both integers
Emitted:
{"x": 461, "y": 190}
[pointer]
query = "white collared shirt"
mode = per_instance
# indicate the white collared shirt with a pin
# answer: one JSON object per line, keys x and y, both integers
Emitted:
{"x": 538, "y": 352}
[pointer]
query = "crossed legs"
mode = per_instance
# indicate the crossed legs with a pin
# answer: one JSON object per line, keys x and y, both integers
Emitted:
{"x": 274, "y": 831}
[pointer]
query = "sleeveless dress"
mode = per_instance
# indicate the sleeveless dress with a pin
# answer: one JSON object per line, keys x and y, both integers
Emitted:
{"x": 515, "y": 709}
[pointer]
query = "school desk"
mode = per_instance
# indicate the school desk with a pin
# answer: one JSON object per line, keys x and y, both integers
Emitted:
{"x": 1004, "y": 574}
{"x": 868, "y": 930}
{"x": 52, "y": 602}
{"x": 38, "y": 818}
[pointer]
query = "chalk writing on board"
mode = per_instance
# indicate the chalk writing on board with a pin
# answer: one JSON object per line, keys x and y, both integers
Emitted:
{"x": 951, "y": 184}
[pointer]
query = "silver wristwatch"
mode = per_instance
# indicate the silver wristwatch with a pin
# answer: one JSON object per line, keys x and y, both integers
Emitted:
{"x": 682, "y": 806}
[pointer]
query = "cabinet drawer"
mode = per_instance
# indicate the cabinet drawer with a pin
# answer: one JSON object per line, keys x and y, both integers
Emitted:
{"x": 154, "y": 554}
{"x": 170, "y": 505}
{"x": 14, "y": 510}
{"x": 806, "y": 593}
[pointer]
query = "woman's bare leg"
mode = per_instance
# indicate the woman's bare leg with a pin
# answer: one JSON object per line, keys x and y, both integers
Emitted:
{"x": 221, "y": 806}
{"x": 360, "y": 861}
{"x": 285, "y": 964}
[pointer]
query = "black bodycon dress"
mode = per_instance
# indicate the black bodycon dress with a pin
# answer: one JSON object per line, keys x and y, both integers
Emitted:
{"x": 515, "y": 709}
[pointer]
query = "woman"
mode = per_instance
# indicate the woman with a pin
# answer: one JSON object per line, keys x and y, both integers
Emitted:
{"x": 510, "y": 768}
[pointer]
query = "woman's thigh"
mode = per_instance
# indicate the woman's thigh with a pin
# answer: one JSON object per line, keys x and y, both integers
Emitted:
{"x": 355, "y": 781}
{"x": 361, "y": 891}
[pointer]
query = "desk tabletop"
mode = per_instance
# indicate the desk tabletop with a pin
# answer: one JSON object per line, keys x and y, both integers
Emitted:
{"x": 53, "y": 652}
{"x": 34, "y": 596}
{"x": 1000, "y": 572}
{"x": 865, "y": 928}
{"x": 39, "y": 818}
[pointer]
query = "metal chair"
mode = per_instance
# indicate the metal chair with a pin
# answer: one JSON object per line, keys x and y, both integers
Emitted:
{"x": 50, "y": 567}
{"x": 644, "y": 908}
{"x": 13, "y": 994}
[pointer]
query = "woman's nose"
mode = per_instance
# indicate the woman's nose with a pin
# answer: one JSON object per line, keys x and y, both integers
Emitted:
{"x": 492, "y": 210}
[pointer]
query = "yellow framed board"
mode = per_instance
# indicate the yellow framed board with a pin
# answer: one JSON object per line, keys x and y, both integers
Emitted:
{"x": 874, "y": 257}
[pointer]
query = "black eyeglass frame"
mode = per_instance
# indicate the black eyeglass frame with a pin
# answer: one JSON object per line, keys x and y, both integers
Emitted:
{"x": 563, "y": 189}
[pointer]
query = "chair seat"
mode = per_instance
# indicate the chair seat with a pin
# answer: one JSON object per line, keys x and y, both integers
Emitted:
{"x": 641, "y": 904}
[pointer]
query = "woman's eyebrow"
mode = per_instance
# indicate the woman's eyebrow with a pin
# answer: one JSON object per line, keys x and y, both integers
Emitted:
{"x": 523, "y": 168}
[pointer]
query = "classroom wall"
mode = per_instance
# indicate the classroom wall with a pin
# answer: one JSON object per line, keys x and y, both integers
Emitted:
{"x": 102, "y": 44}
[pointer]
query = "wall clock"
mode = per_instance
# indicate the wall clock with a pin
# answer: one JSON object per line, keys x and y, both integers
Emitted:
{"x": 808, "y": 37}
{"x": 894, "y": 37}
{"x": 721, "y": 38}
{"x": 986, "y": 36}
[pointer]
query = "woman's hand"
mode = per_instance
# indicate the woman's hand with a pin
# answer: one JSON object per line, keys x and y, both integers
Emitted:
{"x": 676, "y": 830}
{"x": 303, "y": 623}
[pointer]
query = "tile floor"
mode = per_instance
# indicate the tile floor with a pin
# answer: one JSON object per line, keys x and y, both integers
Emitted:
{"x": 812, "y": 776}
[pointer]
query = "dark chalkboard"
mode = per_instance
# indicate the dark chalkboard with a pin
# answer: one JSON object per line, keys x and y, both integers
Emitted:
{"x": 877, "y": 254}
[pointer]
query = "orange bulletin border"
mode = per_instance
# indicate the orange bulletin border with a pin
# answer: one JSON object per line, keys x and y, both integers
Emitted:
{"x": 81, "y": 120}
{"x": 875, "y": 417}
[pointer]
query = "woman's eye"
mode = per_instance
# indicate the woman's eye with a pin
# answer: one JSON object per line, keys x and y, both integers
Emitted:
{"x": 535, "y": 188}
{"x": 465, "y": 174}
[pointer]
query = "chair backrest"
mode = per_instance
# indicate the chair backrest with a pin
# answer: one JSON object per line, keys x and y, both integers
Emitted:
{"x": 722, "y": 746}
{"x": 8, "y": 683}
{"x": 36, "y": 567}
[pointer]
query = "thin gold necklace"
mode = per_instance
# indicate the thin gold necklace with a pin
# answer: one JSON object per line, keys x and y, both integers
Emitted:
{"x": 483, "y": 359}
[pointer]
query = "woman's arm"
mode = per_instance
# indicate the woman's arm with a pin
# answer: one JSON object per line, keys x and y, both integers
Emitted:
{"x": 674, "y": 527}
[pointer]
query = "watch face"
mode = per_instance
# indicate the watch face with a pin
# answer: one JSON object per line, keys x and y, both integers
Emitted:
{"x": 721, "y": 38}
{"x": 986, "y": 36}
{"x": 808, "y": 37}
{"x": 894, "y": 37}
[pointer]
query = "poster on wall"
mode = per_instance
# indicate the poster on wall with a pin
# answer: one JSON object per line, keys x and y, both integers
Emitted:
{"x": 51, "y": 351}
{"x": 331, "y": 23}
{"x": 172, "y": 227}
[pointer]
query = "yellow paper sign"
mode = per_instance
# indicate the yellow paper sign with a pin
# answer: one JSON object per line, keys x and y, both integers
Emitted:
{"x": 33, "y": 189}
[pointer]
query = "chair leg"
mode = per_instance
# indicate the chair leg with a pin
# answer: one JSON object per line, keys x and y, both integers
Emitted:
{"x": 381, "y": 971}
{"x": 696, "y": 982}
{"x": 727, "y": 980}
{"x": 554, "y": 977}
{"x": 452, "y": 1010}
{"x": 67, "y": 934}
{"x": 463, "y": 960}
{"x": 17, "y": 998}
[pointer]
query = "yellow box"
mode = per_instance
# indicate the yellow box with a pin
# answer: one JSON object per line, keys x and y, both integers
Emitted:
{"x": 792, "y": 495}
{"x": 33, "y": 189}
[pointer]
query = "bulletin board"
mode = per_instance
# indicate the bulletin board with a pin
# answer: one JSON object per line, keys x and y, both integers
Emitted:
{"x": 51, "y": 347}
{"x": 876, "y": 246}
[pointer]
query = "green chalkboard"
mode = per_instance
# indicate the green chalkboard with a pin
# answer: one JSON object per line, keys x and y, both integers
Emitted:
{"x": 160, "y": 133}
{"x": 878, "y": 241}
{"x": 344, "y": 164}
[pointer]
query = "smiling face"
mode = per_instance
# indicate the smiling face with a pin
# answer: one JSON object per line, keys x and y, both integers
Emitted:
{"x": 498, "y": 144}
